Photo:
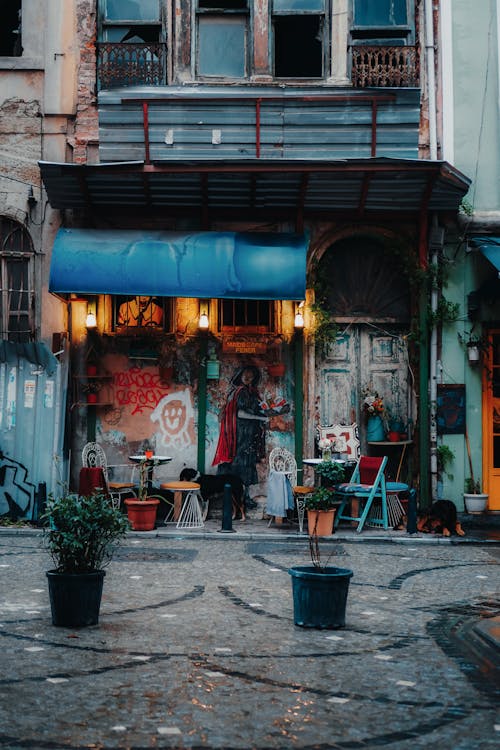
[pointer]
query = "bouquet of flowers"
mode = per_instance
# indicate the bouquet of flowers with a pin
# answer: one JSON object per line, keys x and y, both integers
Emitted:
{"x": 373, "y": 404}
{"x": 325, "y": 444}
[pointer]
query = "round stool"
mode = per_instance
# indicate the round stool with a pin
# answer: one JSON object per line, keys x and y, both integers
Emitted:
{"x": 187, "y": 504}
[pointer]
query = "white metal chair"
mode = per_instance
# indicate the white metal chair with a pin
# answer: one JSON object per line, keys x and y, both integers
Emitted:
{"x": 281, "y": 460}
{"x": 93, "y": 456}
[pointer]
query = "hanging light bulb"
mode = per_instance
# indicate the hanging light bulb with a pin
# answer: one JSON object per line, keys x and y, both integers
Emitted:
{"x": 91, "y": 320}
{"x": 203, "y": 322}
{"x": 299, "y": 316}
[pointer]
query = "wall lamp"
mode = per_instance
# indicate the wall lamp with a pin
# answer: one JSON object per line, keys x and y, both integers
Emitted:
{"x": 299, "y": 315}
{"x": 203, "y": 321}
{"x": 91, "y": 319}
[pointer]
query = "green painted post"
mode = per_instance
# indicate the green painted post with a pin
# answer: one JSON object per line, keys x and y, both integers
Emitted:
{"x": 91, "y": 424}
{"x": 299, "y": 402}
{"x": 202, "y": 402}
{"x": 424, "y": 411}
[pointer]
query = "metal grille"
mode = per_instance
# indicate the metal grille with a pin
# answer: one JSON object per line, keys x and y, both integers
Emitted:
{"x": 128, "y": 64}
{"x": 385, "y": 66}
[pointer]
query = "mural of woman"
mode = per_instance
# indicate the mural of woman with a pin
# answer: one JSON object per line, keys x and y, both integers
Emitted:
{"x": 241, "y": 438}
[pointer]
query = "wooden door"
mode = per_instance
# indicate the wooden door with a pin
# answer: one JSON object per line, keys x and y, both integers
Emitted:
{"x": 363, "y": 355}
{"x": 491, "y": 422}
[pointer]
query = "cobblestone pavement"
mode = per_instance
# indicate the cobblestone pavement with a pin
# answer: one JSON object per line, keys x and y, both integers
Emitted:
{"x": 196, "y": 648}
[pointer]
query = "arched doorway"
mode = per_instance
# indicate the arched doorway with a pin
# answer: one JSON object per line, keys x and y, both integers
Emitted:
{"x": 362, "y": 283}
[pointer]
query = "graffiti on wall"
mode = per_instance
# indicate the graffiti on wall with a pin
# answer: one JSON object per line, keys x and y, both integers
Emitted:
{"x": 175, "y": 416}
{"x": 138, "y": 389}
{"x": 17, "y": 495}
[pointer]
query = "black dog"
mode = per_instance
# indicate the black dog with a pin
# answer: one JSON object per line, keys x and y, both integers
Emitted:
{"x": 213, "y": 484}
{"x": 441, "y": 519}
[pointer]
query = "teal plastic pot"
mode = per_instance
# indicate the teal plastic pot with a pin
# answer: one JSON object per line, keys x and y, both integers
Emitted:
{"x": 320, "y": 596}
{"x": 75, "y": 598}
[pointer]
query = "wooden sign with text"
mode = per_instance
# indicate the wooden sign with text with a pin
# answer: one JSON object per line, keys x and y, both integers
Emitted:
{"x": 244, "y": 346}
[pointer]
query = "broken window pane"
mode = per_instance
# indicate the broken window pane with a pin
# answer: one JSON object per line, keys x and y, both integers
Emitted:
{"x": 10, "y": 29}
{"x": 380, "y": 13}
{"x": 298, "y": 46}
{"x": 135, "y": 10}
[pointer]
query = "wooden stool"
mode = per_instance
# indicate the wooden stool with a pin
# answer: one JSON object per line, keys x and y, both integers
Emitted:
{"x": 187, "y": 510}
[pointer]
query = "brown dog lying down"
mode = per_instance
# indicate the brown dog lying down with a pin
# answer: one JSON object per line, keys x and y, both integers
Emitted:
{"x": 441, "y": 519}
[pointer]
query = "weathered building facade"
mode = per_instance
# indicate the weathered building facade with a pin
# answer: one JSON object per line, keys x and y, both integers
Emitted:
{"x": 247, "y": 165}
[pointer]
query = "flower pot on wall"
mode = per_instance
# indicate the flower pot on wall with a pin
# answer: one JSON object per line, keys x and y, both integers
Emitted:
{"x": 92, "y": 398}
{"x": 277, "y": 370}
{"x": 375, "y": 430}
{"x": 475, "y": 503}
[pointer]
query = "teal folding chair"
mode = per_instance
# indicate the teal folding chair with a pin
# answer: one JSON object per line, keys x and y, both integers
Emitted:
{"x": 366, "y": 485}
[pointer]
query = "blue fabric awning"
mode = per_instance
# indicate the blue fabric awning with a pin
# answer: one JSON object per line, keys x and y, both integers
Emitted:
{"x": 35, "y": 352}
{"x": 234, "y": 265}
{"x": 490, "y": 248}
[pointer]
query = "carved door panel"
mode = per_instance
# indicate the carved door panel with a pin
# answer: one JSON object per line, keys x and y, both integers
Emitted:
{"x": 360, "y": 357}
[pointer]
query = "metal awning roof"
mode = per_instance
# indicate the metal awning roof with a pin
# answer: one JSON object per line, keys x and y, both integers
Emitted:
{"x": 489, "y": 246}
{"x": 230, "y": 265}
{"x": 278, "y": 188}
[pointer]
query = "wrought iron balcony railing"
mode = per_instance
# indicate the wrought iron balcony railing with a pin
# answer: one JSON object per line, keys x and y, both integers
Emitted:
{"x": 385, "y": 66}
{"x": 128, "y": 64}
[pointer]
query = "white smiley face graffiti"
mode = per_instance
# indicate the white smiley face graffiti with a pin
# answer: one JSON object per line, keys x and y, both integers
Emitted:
{"x": 174, "y": 414}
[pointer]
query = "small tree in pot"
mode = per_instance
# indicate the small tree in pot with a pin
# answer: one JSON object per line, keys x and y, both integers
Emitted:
{"x": 81, "y": 534}
{"x": 319, "y": 591}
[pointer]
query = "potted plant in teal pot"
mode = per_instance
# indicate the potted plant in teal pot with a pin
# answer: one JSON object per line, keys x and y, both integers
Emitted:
{"x": 319, "y": 591}
{"x": 81, "y": 533}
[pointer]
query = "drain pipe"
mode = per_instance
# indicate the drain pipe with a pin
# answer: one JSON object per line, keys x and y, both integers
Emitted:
{"x": 430, "y": 59}
{"x": 435, "y": 240}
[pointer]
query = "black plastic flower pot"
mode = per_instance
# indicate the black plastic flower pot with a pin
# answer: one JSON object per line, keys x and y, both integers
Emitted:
{"x": 320, "y": 596}
{"x": 75, "y": 598}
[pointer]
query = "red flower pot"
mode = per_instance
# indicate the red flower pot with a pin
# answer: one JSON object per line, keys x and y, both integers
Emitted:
{"x": 277, "y": 371}
{"x": 142, "y": 513}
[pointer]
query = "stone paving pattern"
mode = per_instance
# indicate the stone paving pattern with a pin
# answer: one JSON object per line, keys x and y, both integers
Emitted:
{"x": 196, "y": 647}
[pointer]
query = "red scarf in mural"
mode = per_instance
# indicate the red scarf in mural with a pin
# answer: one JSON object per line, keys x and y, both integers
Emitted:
{"x": 226, "y": 447}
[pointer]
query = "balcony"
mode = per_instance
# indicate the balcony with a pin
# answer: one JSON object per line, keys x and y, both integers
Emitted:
{"x": 385, "y": 66}
{"x": 128, "y": 64}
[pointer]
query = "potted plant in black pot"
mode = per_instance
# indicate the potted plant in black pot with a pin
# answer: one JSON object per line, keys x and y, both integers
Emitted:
{"x": 81, "y": 533}
{"x": 319, "y": 591}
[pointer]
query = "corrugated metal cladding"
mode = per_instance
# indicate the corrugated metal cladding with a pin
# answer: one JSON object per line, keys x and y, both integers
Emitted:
{"x": 352, "y": 185}
{"x": 296, "y": 123}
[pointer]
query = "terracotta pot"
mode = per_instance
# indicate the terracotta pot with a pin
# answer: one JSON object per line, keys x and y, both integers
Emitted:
{"x": 320, "y": 522}
{"x": 276, "y": 371}
{"x": 393, "y": 436}
{"x": 142, "y": 513}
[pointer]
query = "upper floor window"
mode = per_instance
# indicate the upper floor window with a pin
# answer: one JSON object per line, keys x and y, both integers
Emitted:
{"x": 383, "y": 22}
{"x": 245, "y": 316}
{"x": 10, "y": 29}
{"x": 222, "y": 48}
{"x": 131, "y": 47}
{"x": 16, "y": 282}
{"x": 137, "y": 314}
{"x": 300, "y": 38}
